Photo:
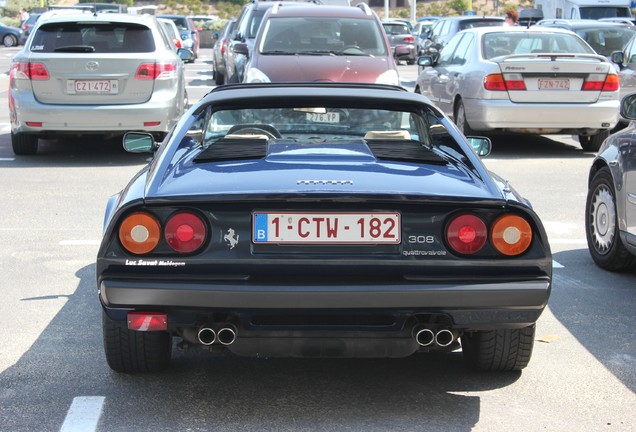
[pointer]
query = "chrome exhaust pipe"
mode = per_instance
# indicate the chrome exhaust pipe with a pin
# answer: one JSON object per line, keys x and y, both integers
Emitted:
{"x": 444, "y": 337}
{"x": 206, "y": 336}
{"x": 227, "y": 335}
{"x": 425, "y": 337}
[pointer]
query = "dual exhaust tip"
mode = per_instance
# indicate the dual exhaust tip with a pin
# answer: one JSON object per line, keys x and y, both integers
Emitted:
{"x": 427, "y": 337}
{"x": 208, "y": 336}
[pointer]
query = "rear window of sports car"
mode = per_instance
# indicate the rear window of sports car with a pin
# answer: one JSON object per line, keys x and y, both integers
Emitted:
{"x": 93, "y": 37}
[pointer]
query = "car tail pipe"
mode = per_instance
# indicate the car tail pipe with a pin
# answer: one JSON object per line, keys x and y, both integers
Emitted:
{"x": 445, "y": 337}
{"x": 206, "y": 335}
{"x": 227, "y": 334}
{"x": 425, "y": 336}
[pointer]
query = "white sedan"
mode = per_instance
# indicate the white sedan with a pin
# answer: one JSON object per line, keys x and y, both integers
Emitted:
{"x": 523, "y": 80}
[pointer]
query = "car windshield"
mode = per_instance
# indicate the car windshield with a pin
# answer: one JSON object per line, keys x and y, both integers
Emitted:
{"x": 606, "y": 41}
{"x": 506, "y": 43}
{"x": 396, "y": 29}
{"x": 323, "y": 35}
{"x": 93, "y": 37}
{"x": 243, "y": 133}
{"x": 463, "y": 25}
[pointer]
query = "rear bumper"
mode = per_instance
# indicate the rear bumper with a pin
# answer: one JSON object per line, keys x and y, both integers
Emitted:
{"x": 474, "y": 306}
{"x": 489, "y": 114}
{"x": 163, "y": 108}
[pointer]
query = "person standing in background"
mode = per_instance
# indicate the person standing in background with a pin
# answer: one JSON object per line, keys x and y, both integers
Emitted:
{"x": 512, "y": 17}
{"x": 24, "y": 15}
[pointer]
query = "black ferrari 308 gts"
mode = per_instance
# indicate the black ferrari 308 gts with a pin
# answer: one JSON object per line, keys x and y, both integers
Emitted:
{"x": 319, "y": 220}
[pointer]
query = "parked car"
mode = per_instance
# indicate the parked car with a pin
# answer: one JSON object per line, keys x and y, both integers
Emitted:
{"x": 381, "y": 234}
{"x": 604, "y": 37}
{"x": 106, "y": 74}
{"x": 241, "y": 44}
{"x": 308, "y": 42}
{"x": 188, "y": 31}
{"x": 219, "y": 51}
{"x": 27, "y": 26}
{"x": 610, "y": 214}
{"x": 420, "y": 33}
{"x": 524, "y": 80}
{"x": 401, "y": 40}
{"x": 10, "y": 36}
{"x": 529, "y": 16}
{"x": 172, "y": 32}
{"x": 444, "y": 29}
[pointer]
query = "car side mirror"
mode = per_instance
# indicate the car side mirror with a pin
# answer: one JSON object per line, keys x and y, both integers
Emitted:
{"x": 139, "y": 142}
{"x": 240, "y": 48}
{"x": 628, "y": 107}
{"x": 425, "y": 61}
{"x": 481, "y": 145}
{"x": 617, "y": 57}
{"x": 185, "y": 54}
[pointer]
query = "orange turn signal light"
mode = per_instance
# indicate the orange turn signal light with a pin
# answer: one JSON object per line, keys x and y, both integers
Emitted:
{"x": 139, "y": 233}
{"x": 511, "y": 234}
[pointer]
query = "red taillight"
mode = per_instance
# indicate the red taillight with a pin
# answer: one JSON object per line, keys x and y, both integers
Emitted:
{"x": 499, "y": 82}
{"x": 409, "y": 39}
{"x": 152, "y": 71}
{"x": 494, "y": 82}
{"x": 151, "y": 123}
{"x": 185, "y": 232}
{"x": 511, "y": 234}
{"x": 223, "y": 45}
{"x": 147, "y": 321}
{"x": 27, "y": 70}
{"x": 139, "y": 233}
{"x": 177, "y": 42}
{"x": 601, "y": 82}
{"x": 466, "y": 234}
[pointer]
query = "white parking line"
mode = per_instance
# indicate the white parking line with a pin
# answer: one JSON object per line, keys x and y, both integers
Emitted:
{"x": 83, "y": 414}
{"x": 7, "y": 159}
{"x": 557, "y": 265}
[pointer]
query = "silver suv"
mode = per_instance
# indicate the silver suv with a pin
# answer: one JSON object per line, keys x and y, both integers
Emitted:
{"x": 104, "y": 73}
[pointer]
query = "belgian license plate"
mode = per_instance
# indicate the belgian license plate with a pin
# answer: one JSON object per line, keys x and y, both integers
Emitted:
{"x": 554, "y": 84}
{"x": 92, "y": 87}
{"x": 326, "y": 228}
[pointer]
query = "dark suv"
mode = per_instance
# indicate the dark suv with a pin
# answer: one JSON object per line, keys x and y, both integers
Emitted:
{"x": 308, "y": 42}
{"x": 242, "y": 41}
{"x": 188, "y": 31}
{"x": 444, "y": 29}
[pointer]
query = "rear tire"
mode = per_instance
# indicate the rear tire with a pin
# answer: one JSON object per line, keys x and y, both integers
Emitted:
{"x": 24, "y": 144}
{"x": 460, "y": 119}
{"x": 135, "y": 351}
{"x": 498, "y": 350}
{"x": 9, "y": 40}
{"x": 219, "y": 78}
{"x": 592, "y": 143}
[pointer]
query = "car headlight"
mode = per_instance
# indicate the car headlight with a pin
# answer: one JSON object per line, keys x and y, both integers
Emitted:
{"x": 256, "y": 76}
{"x": 389, "y": 77}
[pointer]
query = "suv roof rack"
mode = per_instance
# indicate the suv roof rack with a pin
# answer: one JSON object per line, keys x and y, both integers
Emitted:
{"x": 365, "y": 7}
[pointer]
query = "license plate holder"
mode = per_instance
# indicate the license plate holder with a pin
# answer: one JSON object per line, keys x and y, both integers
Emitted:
{"x": 319, "y": 228}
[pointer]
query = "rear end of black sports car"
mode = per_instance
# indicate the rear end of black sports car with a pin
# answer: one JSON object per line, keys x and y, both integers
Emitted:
{"x": 320, "y": 248}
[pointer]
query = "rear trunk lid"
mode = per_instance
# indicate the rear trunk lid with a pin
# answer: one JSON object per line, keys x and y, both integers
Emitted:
{"x": 554, "y": 78}
{"x": 93, "y": 63}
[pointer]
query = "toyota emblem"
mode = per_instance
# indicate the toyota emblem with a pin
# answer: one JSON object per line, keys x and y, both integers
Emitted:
{"x": 92, "y": 66}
